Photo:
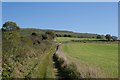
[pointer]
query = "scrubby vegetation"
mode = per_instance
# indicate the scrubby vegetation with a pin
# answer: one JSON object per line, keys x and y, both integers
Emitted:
{"x": 27, "y": 53}
{"x": 22, "y": 53}
{"x": 68, "y": 70}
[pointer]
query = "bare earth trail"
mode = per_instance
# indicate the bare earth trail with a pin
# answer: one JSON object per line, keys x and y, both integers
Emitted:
{"x": 58, "y": 73}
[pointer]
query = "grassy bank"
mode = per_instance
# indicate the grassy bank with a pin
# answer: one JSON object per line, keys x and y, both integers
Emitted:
{"x": 23, "y": 53}
{"x": 44, "y": 68}
{"x": 68, "y": 71}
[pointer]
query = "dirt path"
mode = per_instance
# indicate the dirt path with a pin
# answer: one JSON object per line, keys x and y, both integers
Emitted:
{"x": 57, "y": 70}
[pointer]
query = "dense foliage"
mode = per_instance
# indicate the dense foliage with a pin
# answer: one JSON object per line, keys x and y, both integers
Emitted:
{"x": 108, "y": 37}
{"x": 8, "y": 26}
{"x": 22, "y": 52}
{"x": 114, "y": 38}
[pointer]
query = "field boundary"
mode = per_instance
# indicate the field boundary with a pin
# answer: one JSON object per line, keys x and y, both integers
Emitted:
{"x": 91, "y": 41}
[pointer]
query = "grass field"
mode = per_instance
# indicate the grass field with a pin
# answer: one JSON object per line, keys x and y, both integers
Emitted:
{"x": 62, "y": 39}
{"x": 101, "y": 55}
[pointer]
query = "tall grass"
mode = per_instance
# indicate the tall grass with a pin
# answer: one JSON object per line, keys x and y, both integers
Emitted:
{"x": 66, "y": 70}
{"x": 21, "y": 56}
{"x": 44, "y": 69}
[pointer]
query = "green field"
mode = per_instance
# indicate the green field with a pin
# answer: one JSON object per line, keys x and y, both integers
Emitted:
{"x": 63, "y": 39}
{"x": 100, "y": 55}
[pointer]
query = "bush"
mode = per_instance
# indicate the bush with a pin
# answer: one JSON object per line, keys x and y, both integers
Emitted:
{"x": 108, "y": 37}
{"x": 34, "y": 34}
{"x": 72, "y": 71}
{"x": 99, "y": 37}
{"x": 67, "y": 70}
{"x": 44, "y": 37}
{"x": 58, "y": 35}
{"x": 65, "y": 35}
{"x": 69, "y": 35}
{"x": 114, "y": 38}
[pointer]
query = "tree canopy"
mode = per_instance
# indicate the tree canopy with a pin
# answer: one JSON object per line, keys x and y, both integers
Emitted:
{"x": 114, "y": 38}
{"x": 99, "y": 37}
{"x": 108, "y": 37}
{"x": 9, "y": 26}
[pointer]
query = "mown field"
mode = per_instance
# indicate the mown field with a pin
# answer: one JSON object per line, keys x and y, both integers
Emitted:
{"x": 103, "y": 56}
{"x": 63, "y": 39}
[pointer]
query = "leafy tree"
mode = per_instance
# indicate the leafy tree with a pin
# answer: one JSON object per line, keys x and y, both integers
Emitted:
{"x": 9, "y": 26}
{"x": 114, "y": 38}
{"x": 65, "y": 35}
{"x": 58, "y": 35}
{"x": 69, "y": 35}
{"x": 108, "y": 37}
{"x": 99, "y": 37}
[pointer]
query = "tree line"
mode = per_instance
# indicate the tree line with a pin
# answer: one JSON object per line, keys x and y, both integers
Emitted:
{"x": 107, "y": 37}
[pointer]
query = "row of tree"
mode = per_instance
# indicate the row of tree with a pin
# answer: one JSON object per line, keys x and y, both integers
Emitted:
{"x": 76, "y": 35}
{"x": 107, "y": 36}
{"x": 103, "y": 37}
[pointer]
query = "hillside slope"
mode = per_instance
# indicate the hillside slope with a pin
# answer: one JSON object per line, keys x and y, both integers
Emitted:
{"x": 59, "y": 33}
{"x": 24, "y": 51}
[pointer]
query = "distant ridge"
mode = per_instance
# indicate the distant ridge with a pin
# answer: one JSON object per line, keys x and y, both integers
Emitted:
{"x": 28, "y": 31}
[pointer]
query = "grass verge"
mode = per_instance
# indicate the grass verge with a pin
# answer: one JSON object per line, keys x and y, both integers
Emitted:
{"x": 44, "y": 68}
{"x": 66, "y": 70}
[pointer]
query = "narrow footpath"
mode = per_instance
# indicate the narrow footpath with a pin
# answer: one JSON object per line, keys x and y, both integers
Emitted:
{"x": 57, "y": 69}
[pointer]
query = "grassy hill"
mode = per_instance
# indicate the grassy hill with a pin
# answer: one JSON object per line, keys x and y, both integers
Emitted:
{"x": 26, "y": 50}
{"x": 27, "y": 31}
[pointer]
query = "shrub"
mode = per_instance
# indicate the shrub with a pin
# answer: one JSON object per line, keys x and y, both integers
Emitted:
{"x": 99, "y": 37}
{"x": 114, "y": 38}
{"x": 65, "y": 35}
{"x": 68, "y": 70}
{"x": 34, "y": 34}
{"x": 108, "y": 37}
{"x": 44, "y": 37}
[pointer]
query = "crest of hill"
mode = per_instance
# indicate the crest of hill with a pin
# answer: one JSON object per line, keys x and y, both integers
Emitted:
{"x": 62, "y": 33}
